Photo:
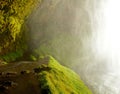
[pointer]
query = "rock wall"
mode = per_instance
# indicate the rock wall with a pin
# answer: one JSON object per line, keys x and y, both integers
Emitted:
{"x": 13, "y": 14}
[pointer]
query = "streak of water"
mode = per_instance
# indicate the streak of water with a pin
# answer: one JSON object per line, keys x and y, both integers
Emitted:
{"x": 79, "y": 33}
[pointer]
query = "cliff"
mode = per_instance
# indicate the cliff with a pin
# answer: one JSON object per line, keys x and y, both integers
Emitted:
{"x": 44, "y": 77}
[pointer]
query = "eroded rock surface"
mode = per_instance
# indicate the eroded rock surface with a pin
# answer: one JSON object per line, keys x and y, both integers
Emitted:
{"x": 46, "y": 76}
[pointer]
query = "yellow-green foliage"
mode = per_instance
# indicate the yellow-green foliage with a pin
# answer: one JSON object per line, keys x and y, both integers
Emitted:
{"x": 57, "y": 79}
{"x": 14, "y": 26}
{"x": 13, "y": 13}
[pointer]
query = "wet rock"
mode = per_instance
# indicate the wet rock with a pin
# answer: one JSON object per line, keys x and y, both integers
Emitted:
{"x": 25, "y": 72}
{"x": 8, "y": 83}
{"x": 2, "y": 88}
{"x": 39, "y": 69}
{"x": 11, "y": 74}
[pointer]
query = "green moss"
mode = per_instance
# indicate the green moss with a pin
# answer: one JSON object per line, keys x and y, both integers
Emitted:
{"x": 33, "y": 58}
{"x": 3, "y": 63}
{"x": 13, "y": 14}
{"x": 14, "y": 27}
{"x": 12, "y": 56}
{"x": 57, "y": 79}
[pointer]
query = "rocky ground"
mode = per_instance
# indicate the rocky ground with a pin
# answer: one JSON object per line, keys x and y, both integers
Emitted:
{"x": 46, "y": 76}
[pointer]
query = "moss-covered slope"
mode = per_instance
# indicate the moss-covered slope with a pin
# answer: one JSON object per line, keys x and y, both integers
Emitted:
{"x": 44, "y": 77}
{"x": 57, "y": 79}
{"x": 12, "y": 17}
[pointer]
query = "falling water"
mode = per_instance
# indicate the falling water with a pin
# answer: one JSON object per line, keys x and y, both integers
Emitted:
{"x": 82, "y": 35}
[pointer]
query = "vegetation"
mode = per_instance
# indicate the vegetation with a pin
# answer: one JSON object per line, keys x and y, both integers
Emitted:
{"x": 57, "y": 79}
{"x": 13, "y": 14}
{"x": 53, "y": 77}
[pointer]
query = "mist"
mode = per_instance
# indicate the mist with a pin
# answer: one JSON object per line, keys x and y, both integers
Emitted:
{"x": 78, "y": 34}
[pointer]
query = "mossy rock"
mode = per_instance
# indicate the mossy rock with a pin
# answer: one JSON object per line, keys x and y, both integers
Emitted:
{"x": 13, "y": 14}
{"x": 57, "y": 79}
{"x": 46, "y": 76}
